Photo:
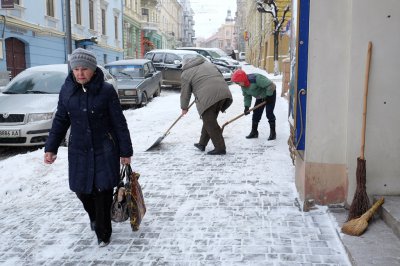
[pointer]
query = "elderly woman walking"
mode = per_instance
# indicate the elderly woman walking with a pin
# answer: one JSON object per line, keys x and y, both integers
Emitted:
{"x": 99, "y": 139}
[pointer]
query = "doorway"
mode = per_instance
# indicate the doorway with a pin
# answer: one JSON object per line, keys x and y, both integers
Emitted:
{"x": 15, "y": 56}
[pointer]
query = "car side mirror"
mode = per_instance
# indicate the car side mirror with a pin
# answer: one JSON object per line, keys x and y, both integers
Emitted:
{"x": 177, "y": 62}
{"x": 148, "y": 75}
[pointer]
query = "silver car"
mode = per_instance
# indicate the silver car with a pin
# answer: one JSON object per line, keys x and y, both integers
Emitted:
{"x": 217, "y": 56}
{"x": 29, "y": 102}
{"x": 169, "y": 62}
{"x": 138, "y": 81}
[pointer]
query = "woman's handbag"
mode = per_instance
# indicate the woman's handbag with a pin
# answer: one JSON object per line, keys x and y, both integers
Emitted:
{"x": 119, "y": 206}
{"x": 134, "y": 196}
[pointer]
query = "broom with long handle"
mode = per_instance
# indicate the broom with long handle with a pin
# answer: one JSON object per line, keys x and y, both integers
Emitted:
{"x": 357, "y": 226}
{"x": 360, "y": 202}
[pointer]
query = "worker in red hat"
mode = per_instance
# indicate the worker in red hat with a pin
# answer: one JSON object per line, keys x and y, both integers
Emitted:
{"x": 260, "y": 87}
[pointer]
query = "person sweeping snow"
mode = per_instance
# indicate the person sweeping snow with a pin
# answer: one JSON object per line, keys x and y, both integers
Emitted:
{"x": 264, "y": 90}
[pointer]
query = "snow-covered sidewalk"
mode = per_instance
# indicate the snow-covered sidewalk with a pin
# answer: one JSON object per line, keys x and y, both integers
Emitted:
{"x": 237, "y": 209}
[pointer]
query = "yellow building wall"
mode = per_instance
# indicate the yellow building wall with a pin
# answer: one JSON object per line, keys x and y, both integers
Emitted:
{"x": 260, "y": 46}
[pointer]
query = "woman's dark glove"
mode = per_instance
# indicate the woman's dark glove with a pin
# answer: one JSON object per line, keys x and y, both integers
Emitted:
{"x": 246, "y": 110}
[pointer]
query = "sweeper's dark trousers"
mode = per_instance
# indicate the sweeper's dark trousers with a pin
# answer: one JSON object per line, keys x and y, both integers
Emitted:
{"x": 211, "y": 129}
{"x": 269, "y": 109}
{"x": 98, "y": 205}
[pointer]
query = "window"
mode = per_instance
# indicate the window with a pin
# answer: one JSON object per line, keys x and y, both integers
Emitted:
{"x": 151, "y": 67}
{"x": 103, "y": 21}
{"x": 170, "y": 58}
{"x": 203, "y": 53}
{"x": 146, "y": 70}
{"x": 91, "y": 15}
{"x": 47, "y": 82}
{"x": 116, "y": 27}
{"x": 158, "y": 58}
{"x": 17, "y": 2}
{"x": 148, "y": 56}
{"x": 78, "y": 12}
{"x": 49, "y": 8}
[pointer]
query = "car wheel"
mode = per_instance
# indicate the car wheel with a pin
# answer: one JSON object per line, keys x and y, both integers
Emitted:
{"x": 158, "y": 91}
{"x": 145, "y": 99}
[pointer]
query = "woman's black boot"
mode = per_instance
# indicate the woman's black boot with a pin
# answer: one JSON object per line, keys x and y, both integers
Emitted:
{"x": 254, "y": 133}
{"x": 272, "y": 132}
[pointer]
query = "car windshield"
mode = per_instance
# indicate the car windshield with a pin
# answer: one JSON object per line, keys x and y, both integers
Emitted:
{"x": 220, "y": 52}
{"x": 214, "y": 54}
{"x": 36, "y": 82}
{"x": 126, "y": 71}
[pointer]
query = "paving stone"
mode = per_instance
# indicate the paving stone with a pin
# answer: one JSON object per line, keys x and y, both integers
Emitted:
{"x": 232, "y": 210}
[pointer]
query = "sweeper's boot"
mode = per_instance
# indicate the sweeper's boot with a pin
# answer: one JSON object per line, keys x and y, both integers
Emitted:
{"x": 272, "y": 132}
{"x": 254, "y": 133}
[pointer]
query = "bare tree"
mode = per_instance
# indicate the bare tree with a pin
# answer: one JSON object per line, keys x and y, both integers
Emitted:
{"x": 269, "y": 6}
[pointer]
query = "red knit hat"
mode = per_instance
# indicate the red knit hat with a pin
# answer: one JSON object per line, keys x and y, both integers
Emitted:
{"x": 240, "y": 76}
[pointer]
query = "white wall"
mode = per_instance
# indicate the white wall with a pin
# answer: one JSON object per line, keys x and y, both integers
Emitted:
{"x": 328, "y": 73}
{"x": 378, "y": 22}
{"x": 339, "y": 34}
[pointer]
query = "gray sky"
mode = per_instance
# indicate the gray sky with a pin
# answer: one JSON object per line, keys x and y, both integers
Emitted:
{"x": 210, "y": 14}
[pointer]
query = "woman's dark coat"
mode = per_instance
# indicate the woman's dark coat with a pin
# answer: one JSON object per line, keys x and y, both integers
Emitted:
{"x": 99, "y": 133}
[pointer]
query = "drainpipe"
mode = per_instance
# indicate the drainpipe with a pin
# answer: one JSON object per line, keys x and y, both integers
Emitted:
{"x": 123, "y": 30}
{"x": 68, "y": 29}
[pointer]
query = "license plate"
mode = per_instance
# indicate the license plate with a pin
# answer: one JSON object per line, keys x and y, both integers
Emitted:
{"x": 9, "y": 133}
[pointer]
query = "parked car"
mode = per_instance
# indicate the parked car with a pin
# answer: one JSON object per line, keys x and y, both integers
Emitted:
{"x": 214, "y": 54}
{"x": 137, "y": 79}
{"x": 242, "y": 56}
{"x": 29, "y": 102}
{"x": 226, "y": 72}
{"x": 169, "y": 62}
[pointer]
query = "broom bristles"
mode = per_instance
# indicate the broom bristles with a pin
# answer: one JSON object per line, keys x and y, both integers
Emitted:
{"x": 355, "y": 227}
{"x": 360, "y": 202}
{"x": 359, "y": 205}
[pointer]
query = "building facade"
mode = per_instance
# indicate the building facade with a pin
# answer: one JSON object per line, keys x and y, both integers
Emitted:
{"x": 224, "y": 38}
{"x": 132, "y": 27}
{"x": 188, "y": 32}
{"x": 166, "y": 24}
{"x": 33, "y": 32}
{"x": 240, "y": 22}
{"x": 257, "y": 30}
{"x": 171, "y": 22}
{"x": 37, "y": 32}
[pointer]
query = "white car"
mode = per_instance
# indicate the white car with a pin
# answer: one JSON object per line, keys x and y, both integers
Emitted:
{"x": 225, "y": 56}
{"x": 29, "y": 102}
{"x": 216, "y": 55}
{"x": 242, "y": 56}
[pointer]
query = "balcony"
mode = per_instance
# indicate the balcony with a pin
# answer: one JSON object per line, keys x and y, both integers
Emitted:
{"x": 149, "y": 3}
{"x": 149, "y": 25}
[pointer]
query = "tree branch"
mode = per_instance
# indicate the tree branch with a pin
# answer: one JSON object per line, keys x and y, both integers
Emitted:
{"x": 283, "y": 17}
